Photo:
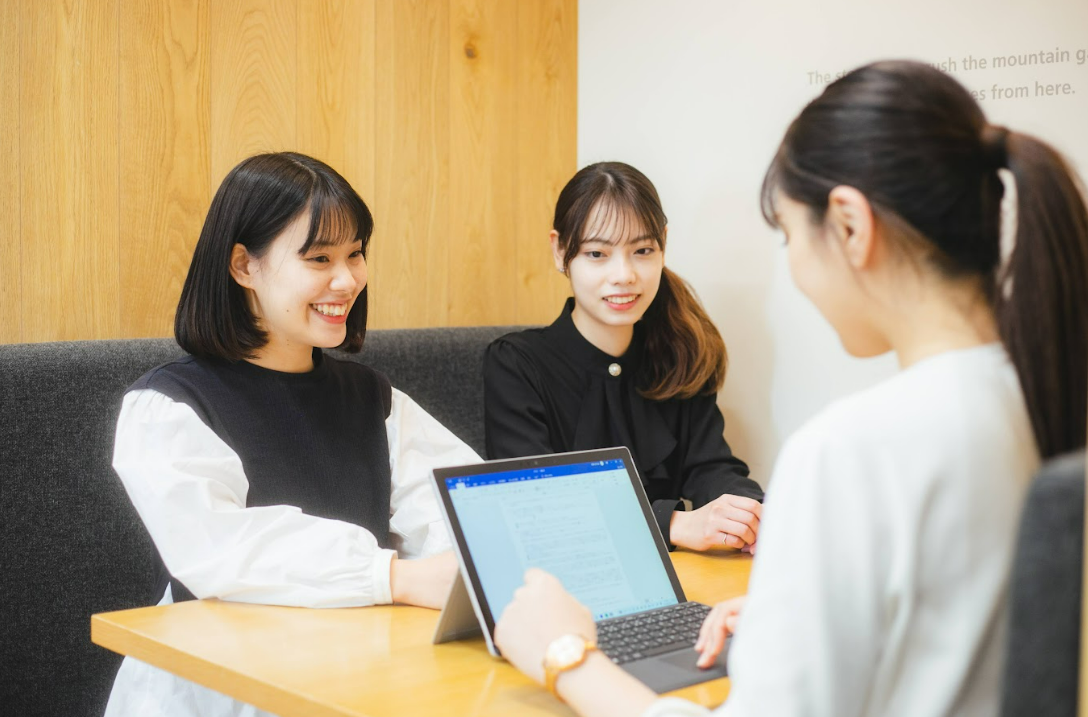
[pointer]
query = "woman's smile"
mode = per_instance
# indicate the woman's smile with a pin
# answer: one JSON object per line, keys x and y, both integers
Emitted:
{"x": 334, "y": 313}
{"x": 622, "y": 302}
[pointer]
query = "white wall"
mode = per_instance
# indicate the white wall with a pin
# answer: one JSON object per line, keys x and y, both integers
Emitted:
{"x": 697, "y": 93}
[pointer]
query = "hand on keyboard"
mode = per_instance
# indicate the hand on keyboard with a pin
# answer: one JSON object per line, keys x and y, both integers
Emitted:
{"x": 719, "y": 624}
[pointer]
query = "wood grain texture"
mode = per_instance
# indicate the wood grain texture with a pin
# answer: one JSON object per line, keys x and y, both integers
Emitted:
{"x": 454, "y": 119}
{"x": 336, "y": 88}
{"x": 547, "y": 125}
{"x": 11, "y": 320}
{"x": 253, "y": 80}
{"x": 373, "y": 661}
{"x": 69, "y": 188}
{"x": 483, "y": 162}
{"x": 409, "y": 277}
{"x": 164, "y": 156}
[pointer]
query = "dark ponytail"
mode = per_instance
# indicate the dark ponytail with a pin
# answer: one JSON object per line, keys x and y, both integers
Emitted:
{"x": 1042, "y": 298}
{"x": 684, "y": 353}
{"x": 915, "y": 143}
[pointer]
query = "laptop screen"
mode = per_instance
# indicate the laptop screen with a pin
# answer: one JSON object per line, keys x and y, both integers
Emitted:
{"x": 582, "y": 522}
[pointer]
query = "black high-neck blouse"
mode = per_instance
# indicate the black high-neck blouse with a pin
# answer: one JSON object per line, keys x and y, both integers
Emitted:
{"x": 549, "y": 390}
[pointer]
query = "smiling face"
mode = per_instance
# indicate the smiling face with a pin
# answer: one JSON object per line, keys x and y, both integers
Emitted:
{"x": 614, "y": 276}
{"x": 303, "y": 300}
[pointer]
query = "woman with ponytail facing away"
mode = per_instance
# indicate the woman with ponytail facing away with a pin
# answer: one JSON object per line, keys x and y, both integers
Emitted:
{"x": 889, "y": 527}
{"x": 632, "y": 361}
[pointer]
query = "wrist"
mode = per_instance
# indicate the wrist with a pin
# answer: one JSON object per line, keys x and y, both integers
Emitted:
{"x": 581, "y": 677}
{"x": 678, "y": 529}
{"x": 400, "y": 580}
{"x": 564, "y": 654}
{"x": 381, "y": 576}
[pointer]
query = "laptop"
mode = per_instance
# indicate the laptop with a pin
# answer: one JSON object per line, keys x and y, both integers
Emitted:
{"x": 583, "y": 517}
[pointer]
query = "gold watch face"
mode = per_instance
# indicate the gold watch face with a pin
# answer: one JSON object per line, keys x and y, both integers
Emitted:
{"x": 565, "y": 651}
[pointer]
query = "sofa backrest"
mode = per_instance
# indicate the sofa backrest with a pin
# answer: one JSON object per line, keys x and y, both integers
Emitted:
{"x": 72, "y": 543}
{"x": 1043, "y": 659}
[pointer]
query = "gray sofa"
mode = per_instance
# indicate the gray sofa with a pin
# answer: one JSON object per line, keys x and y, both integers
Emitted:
{"x": 1042, "y": 669}
{"x": 72, "y": 543}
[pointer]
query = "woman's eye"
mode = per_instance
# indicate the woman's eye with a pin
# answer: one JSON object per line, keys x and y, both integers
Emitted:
{"x": 594, "y": 254}
{"x": 320, "y": 259}
{"x": 646, "y": 250}
{"x": 357, "y": 254}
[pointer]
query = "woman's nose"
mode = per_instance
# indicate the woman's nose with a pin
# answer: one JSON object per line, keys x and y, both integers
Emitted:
{"x": 623, "y": 271}
{"x": 343, "y": 279}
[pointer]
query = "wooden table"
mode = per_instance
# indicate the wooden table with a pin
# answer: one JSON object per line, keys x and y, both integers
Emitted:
{"x": 374, "y": 661}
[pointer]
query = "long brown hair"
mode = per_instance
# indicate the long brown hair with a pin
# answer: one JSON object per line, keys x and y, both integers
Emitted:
{"x": 915, "y": 143}
{"x": 684, "y": 353}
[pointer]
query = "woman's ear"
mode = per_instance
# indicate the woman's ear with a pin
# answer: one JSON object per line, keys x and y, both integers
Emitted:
{"x": 557, "y": 253}
{"x": 243, "y": 267}
{"x": 850, "y": 219}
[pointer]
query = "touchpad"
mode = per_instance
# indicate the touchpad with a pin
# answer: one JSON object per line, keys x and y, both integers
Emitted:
{"x": 674, "y": 670}
{"x": 687, "y": 659}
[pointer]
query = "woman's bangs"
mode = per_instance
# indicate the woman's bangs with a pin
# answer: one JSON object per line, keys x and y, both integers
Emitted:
{"x": 616, "y": 219}
{"x": 331, "y": 223}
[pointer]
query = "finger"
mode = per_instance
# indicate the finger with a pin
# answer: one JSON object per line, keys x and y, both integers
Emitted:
{"x": 703, "y": 630}
{"x": 732, "y": 512}
{"x": 717, "y": 631}
{"x": 712, "y": 648}
{"x": 716, "y": 614}
{"x": 732, "y": 527}
{"x": 749, "y": 504}
{"x": 536, "y": 576}
{"x": 740, "y": 515}
{"x": 732, "y": 541}
{"x": 711, "y": 651}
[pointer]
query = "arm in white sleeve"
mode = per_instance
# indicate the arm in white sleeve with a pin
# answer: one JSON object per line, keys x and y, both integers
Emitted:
{"x": 675, "y": 707}
{"x": 417, "y": 444}
{"x": 190, "y": 489}
{"x": 808, "y": 638}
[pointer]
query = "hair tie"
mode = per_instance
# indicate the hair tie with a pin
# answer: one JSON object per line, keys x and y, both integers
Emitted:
{"x": 995, "y": 145}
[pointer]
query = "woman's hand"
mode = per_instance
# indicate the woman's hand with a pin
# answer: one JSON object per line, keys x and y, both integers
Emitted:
{"x": 729, "y": 520}
{"x": 425, "y": 582}
{"x": 540, "y": 612}
{"x": 719, "y": 624}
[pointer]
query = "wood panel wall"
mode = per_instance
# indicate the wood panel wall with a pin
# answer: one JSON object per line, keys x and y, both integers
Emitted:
{"x": 454, "y": 119}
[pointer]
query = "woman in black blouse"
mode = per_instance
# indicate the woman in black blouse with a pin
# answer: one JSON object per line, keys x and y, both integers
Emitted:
{"x": 633, "y": 360}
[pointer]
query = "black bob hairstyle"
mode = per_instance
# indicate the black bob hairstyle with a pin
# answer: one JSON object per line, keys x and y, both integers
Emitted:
{"x": 254, "y": 204}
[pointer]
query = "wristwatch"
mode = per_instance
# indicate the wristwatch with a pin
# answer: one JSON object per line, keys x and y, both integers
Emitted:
{"x": 564, "y": 653}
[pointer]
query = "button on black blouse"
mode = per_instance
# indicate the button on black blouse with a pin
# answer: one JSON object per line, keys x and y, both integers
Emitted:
{"x": 550, "y": 390}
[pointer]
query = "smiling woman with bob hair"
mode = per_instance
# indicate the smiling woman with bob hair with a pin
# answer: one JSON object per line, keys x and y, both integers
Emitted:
{"x": 264, "y": 470}
{"x": 255, "y": 203}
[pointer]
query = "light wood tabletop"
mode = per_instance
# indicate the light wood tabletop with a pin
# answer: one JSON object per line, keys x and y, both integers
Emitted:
{"x": 373, "y": 661}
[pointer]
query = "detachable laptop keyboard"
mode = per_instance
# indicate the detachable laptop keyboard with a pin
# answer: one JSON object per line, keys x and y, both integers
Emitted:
{"x": 654, "y": 632}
